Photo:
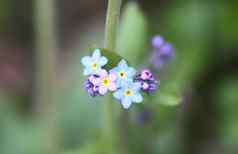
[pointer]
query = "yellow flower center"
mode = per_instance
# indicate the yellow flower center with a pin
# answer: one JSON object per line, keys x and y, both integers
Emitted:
{"x": 122, "y": 74}
{"x": 105, "y": 82}
{"x": 94, "y": 66}
{"x": 128, "y": 92}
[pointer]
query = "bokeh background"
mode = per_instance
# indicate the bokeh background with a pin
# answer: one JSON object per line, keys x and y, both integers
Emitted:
{"x": 194, "y": 112}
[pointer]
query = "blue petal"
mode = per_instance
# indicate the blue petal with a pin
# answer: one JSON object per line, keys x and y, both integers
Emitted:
{"x": 103, "y": 61}
{"x": 86, "y": 61}
{"x": 118, "y": 94}
{"x": 121, "y": 83}
{"x": 87, "y": 71}
{"x": 123, "y": 64}
{"x": 126, "y": 102}
{"x": 96, "y": 54}
{"x": 114, "y": 70}
{"x": 125, "y": 83}
{"x": 136, "y": 86}
{"x": 131, "y": 72}
{"x": 137, "y": 98}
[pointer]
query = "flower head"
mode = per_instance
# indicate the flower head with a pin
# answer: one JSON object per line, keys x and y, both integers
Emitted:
{"x": 90, "y": 86}
{"x": 106, "y": 82}
{"x": 162, "y": 52}
{"x": 123, "y": 72}
{"x": 147, "y": 81}
{"x": 93, "y": 65}
{"x": 129, "y": 93}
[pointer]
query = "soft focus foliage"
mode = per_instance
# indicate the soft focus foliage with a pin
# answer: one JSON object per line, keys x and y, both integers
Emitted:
{"x": 193, "y": 112}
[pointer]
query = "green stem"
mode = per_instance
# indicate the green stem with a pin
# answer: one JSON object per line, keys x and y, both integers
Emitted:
{"x": 45, "y": 57}
{"x": 109, "y": 128}
{"x": 113, "y": 13}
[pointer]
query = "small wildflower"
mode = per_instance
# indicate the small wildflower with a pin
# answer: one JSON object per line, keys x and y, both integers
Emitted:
{"x": 147, "y": 81}
{"x": 123, "y": 72}
{"x": 129, "y": 93}
{"x": 90, "y": 86}
{"x": 162, "y": 52}
{"x": 106, "y": 82}
{"x": 93, "y": 64}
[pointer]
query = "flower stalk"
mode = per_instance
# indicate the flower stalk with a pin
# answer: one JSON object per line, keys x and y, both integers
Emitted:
{"x": 113, "y": 14}
{"x": 44, "y": 89}
{"x": 109, "y": 125}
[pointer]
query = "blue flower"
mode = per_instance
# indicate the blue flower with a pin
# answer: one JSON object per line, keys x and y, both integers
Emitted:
{"x": 123, "y": 72}
{"x": 93, "y": 65}
{"x": 129, "y": 93}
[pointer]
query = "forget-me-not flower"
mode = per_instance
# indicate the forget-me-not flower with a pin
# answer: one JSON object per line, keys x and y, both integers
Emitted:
{"x": 129, "y": 93}
{"x": 123, "y": 72}
{"x": 93, "y": 65}
{"x": 106, "y": 82}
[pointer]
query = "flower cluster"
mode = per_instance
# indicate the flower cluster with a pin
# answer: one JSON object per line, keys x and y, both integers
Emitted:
{"x": 122, "y": 80}
{"x": 162, "y": 51}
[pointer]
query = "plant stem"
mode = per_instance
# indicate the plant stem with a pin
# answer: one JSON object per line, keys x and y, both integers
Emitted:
{"x": 45, "y": 57}
{"x": 109, "y": 128}
{"x": 113, "y": 13}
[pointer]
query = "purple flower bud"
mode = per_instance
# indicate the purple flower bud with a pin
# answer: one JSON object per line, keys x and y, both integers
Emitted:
{"x": 157, "y": 41}
{"x": 147, "y": 80}
{"x": 146, "y": 75}
{"x": 162, "y": 52}
{"x": 145, "y": 85}
{"x": 90, "y": 86}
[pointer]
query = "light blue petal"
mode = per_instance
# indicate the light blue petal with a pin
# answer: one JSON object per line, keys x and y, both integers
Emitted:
{"x": 86, "y": 61}
{"x": 123, "y": 64}
{"x": 136, "y": 86}
{"x": 126, "y": 83}
{"x": 122, "y": 83}
{"x": 114, "y": 70}
{"x": 137, "y": 98}
{"x": 96, "y": 54}
{"x": 97, "y": 71}
{"x": 131, "y": 72}
{"x": 126, "y": 102}
{"x": 118, "y": 94}
{"x": 103, "y": 61}
{"x": 87, "y": 71}
{"x": 129, "y": 82}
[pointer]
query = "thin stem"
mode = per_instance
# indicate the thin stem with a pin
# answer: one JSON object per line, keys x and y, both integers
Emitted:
{"x": 113, "y": 13}
{"x": 45, "y": 56}
{"x": 109, "y": 129}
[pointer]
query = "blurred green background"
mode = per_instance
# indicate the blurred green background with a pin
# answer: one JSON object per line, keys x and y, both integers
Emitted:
{"x": 44, "y": 109}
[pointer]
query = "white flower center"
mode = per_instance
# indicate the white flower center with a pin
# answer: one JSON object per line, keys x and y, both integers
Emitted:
{"x": 122, "y": 74}
{"x": 128, "y": 92}
{"x": 94, "y": 66}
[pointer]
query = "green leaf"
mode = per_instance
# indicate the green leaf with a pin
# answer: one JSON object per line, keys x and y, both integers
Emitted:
{"x": 113, "y": 58}
{"x": 132, "y": 36}
{"x": 169, "y": 99}
{"x": 169, "y": 94}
